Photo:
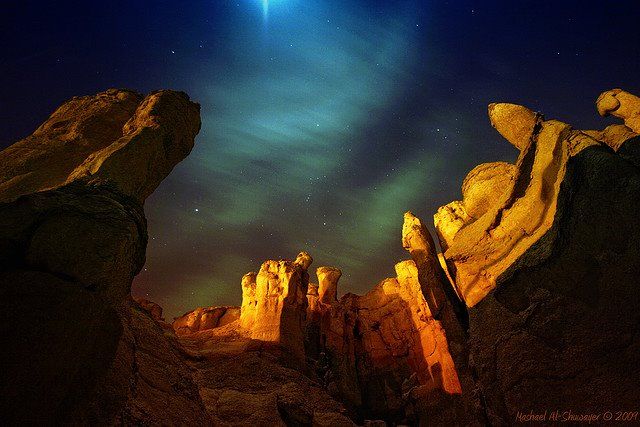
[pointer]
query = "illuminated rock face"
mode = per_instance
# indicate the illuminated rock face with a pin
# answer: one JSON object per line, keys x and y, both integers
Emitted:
{"x": 202, "y": 319}
{"x": 72, "y": 236}
{"x": 506, "y": 210}
{"x": 386, "y": 354}
{"x": 116, "y": 138}
{"x": 328, "y": 284}
{"x": 621, "y": 104}
{"x": 389, "y": 356}
{"x": 550, "y": 270}
{"x": 274, "y": 303}
{"x": 388, "y": 335}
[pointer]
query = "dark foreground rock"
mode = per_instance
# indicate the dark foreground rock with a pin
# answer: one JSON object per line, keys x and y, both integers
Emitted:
{"x": 76, "y": 349}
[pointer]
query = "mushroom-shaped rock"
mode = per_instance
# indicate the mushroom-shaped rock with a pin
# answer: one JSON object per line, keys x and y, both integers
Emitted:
{"x": 73, "y": 235}
{"x": 514, "y": 122}
{"x": 85, "y": 174}
{"x": 328, "y": 284}
{"x": 621, "y": 104}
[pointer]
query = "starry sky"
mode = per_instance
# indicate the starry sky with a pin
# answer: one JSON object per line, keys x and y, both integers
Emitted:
{"x": 323, "y": 120}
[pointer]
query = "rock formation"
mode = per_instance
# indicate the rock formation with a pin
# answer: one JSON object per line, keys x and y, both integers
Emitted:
{"x": 328, "y": 284}
{"x": 202, "y": 319}
{"x": 531, "y": 306}
{"x": 385, "y": 354}
{"x": 150, "y": 307}
{"x": 274, "y": 306}
{"x": 72, "y": 237}
{"x": 549, "y": 271}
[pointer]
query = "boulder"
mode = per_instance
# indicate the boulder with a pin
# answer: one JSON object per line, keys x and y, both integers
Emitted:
{"x": 514, "y": 122}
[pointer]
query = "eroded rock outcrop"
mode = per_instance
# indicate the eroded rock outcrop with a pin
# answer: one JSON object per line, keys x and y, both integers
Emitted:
{"x": 391, "y": 356}
{"x": 521, "y": 209}
{"x": 537, "y": 310}
{"x": 202, "y": 319}
{"x": 550, "y": 270}
{"x": 73, "y": 235}
{"x": 274, "y": 306}
{"x": 150, "y": 307}
{"x": 385, "y": 355}
{"x": 621, "y": 104}
{"x": 391, "y": 339}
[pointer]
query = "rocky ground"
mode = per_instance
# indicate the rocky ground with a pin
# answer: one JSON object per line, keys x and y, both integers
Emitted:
{"x": 529, "y": 304}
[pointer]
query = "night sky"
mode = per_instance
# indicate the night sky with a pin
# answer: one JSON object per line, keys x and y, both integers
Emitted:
{"x": 323, "y": 121}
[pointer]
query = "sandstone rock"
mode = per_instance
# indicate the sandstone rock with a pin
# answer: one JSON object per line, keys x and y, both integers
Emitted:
{"x": 514, "y": 122}
{"x": 545, "y": 254}
{"x": 328, "y": 284}
{"x": 484, "y": 186}
{"x": 115, "y": 138}
{"x": 74, "y": 235}
{"x": 244, "y": 384}
{"x": 303, "y": 260}
{"x": 276, "y": 311}
{"x": 331, "y": 419}
{"x": 202, "y": 319}
{"x": 150, "y": 307}
{"x": 549, "y": 272}
{"x": 249, "y": 302}
{"x": 624, "y": 105}
{"x": 482, "y": 189}
{"x": 362, "y": 349}
{"x": 449, "y": 220}
{"x": 417, "y": 240}
{"x": 377, "y": 341}
{"x": 484, "y": 250}
{"x": 614, "y": 136}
